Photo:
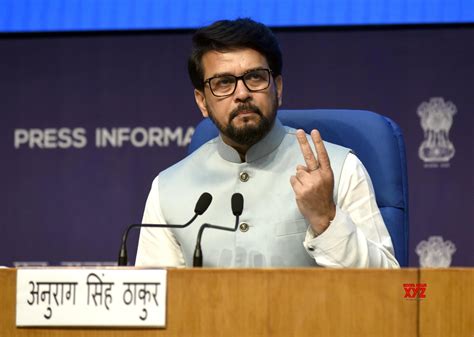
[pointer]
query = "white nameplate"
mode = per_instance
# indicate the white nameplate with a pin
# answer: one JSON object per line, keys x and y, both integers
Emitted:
{"x": 91, "y": 297}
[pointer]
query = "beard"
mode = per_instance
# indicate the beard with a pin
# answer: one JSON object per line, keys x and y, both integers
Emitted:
{"x": 247, "y": 135}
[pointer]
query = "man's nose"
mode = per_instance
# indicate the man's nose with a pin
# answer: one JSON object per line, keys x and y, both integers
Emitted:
{"x": 242, "y": 93}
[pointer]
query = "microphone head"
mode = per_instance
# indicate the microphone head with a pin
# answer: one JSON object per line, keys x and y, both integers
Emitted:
{"x": 203, "y": 203}
{"x": 237, "y": 202}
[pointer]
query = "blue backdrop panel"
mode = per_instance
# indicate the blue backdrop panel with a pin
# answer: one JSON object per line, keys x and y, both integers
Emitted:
{"x": 79, "y": 15}
{"x": 68, "y": 198}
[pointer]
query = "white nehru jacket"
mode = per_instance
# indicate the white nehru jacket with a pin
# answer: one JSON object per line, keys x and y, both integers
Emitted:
{"x": 275, "y": 233}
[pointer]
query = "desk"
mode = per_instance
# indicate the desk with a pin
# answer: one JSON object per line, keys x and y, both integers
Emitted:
{"x": 291, "y": 302}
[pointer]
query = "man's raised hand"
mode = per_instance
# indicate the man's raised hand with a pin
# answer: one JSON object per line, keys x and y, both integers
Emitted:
{"x": 313, "y": 183}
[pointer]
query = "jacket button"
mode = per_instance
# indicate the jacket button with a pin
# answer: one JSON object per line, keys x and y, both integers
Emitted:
{"x": 244, "y": 227}
{"x": 244, "y": 176}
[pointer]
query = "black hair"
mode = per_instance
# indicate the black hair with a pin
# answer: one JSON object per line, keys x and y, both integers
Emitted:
{"x": 226, "y": 35}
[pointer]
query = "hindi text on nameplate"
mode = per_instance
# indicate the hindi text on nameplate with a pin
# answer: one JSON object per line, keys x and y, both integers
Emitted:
{"x": 91, "y": 297}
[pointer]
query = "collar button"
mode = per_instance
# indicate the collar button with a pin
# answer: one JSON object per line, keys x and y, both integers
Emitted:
{"x": 244, "y": 177}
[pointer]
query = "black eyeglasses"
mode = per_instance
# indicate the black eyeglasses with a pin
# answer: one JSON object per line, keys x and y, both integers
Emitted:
{"x": 225, "y": 85}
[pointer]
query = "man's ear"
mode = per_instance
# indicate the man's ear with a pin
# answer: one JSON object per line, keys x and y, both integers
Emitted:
{"x": 279, "y": 89}
{"x": 201, "y": 102}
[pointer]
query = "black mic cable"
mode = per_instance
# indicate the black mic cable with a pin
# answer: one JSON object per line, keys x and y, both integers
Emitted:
{"x": 237, "y": 203}
{"x": 201, "y": 206}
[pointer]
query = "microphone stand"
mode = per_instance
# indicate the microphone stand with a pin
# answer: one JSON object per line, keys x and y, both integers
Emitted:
{"x": 197, "y": 258}
{"x": 123, "y": 256}
{"x": 201, "y": 206}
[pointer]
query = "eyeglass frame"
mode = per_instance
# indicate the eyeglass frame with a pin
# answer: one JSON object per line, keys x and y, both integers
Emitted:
{"x": 237, "y": 78}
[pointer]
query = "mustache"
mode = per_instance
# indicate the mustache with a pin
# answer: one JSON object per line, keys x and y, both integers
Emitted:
{"x": 244, "y": 107}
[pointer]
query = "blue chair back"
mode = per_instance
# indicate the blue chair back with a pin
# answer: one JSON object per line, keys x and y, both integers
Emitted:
{"x": 375, "y": 139}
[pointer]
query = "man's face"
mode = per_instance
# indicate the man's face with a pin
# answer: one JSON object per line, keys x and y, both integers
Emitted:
{"x": 244, "y": 117}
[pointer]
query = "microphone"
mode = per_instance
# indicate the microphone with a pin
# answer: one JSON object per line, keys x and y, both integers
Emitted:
{"x": 237, "y": 204}
{"x": 201, "y": 206}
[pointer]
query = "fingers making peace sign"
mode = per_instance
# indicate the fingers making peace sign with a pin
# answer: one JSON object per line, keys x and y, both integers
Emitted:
{"x": 313, "y": 183}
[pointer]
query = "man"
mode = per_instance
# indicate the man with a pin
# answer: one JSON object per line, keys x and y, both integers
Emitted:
{"x": 307, "y": 202}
